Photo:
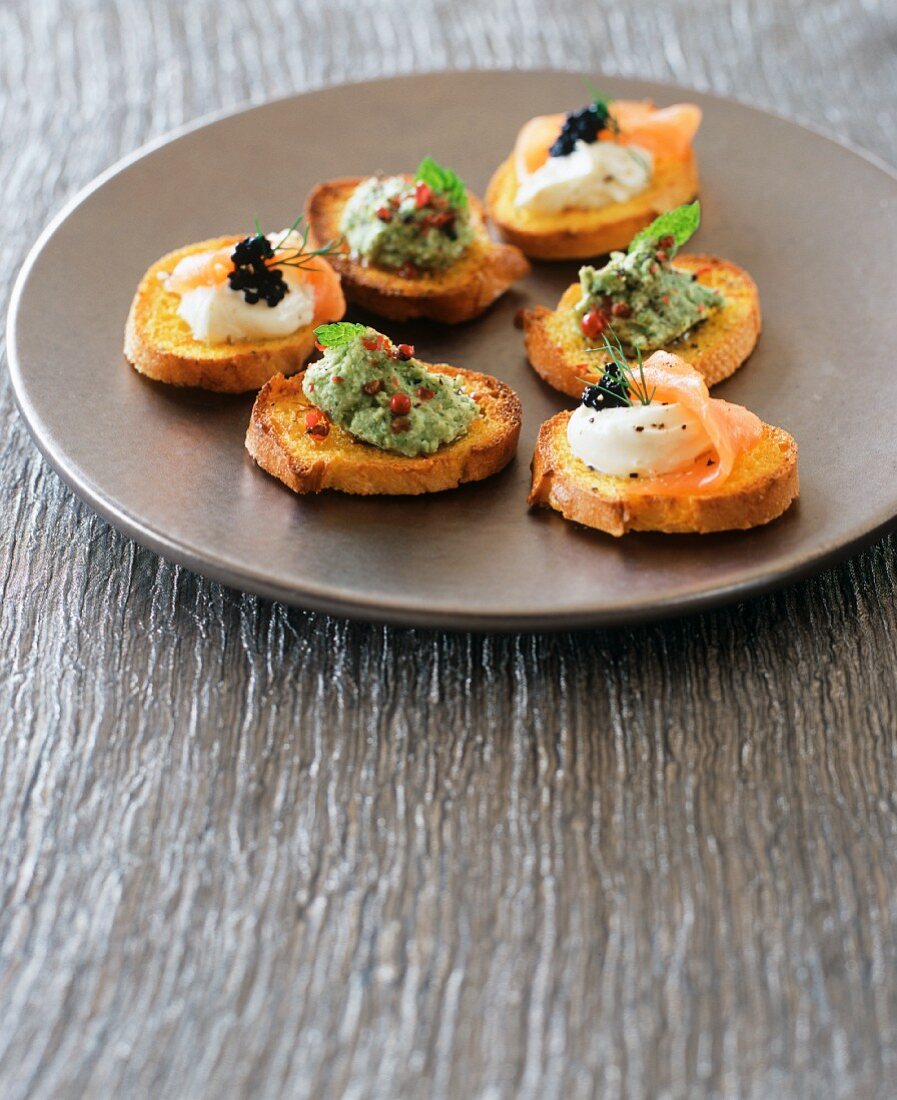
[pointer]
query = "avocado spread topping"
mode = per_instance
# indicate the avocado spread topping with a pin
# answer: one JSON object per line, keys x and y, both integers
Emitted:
{"x": 382, "y": 395}
{"x": 409, "y": 223}
{"x": 640, "y": 293}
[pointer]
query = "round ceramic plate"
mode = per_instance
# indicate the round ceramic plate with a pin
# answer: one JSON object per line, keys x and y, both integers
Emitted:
{"x": 814, "y": 222}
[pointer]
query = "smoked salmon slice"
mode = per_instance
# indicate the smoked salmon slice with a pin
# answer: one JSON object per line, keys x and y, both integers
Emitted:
{"x": 201, "y": 269}
{"x": 533, "y": 142}
{"x": 732, "y": 429}
{"x": 667, "y": 132}
{"x": 330, "y": 302}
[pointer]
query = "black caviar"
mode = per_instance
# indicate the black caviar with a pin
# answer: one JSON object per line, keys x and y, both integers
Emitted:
{"x": 582, "y": 125}
{"x": 251, "y": 273}
{"x": 612, "y": 392}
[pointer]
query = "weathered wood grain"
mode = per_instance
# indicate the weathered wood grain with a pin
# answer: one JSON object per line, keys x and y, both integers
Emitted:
{"x": 252, "y": 852}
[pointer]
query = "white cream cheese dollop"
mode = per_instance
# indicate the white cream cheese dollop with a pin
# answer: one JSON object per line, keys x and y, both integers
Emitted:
{"x": 648, "y": 440}
{"x": 217, "y": 314}
{"x": 594, "y": 175}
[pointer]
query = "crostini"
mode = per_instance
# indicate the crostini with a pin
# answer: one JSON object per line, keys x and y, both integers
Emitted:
{"x": 650, "y": 450}
{"x": 417, "y": 245}
{"x": 370, "y": 418}
{"x": 583, "y": 184}
{"x": 227, "y": 314}
{"x": 704, "y": 309}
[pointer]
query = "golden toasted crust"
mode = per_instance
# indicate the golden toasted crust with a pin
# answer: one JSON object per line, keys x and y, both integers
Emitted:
{"x": 717, "y": 347}
{"x": 579, "y": 234}
{"x": 278, "y": 441}
{"x": 159, "y": 343}
{"x": 461, "y": 292}
{"x": 761, "y": 486}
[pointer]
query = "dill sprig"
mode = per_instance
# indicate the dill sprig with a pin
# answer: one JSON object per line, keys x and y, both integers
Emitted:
{"x": 301, "y": 256}
{"x": 634, "y": 381}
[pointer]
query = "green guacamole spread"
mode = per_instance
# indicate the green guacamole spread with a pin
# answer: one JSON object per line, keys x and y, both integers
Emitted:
{"x": 382, "y": 395}
{"x": 655, "y": 302}
{"x": 397, "y": 222}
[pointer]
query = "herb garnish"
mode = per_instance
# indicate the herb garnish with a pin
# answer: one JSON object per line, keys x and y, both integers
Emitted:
{"x": 619, "y": 382}
{"x": 338, "y": 334}
{"x": 678, "y": 224}
{"x": 443, "y": 180}
{"x": 301, "y": 256}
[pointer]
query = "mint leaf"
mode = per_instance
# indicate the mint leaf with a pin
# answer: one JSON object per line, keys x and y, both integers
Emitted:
{"x": 679, "y": 224}
{"x": 443, "y": 180}
{"x": 338, "y": 334}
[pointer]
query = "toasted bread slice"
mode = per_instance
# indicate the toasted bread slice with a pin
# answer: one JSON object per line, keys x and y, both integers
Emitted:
{"x": 762, "y": 485}
{"x": 459, "y": 293}
{"x": 159, "y": 343}
{"x": 716, "y": 347}
{"x": 579, "y": 234}
{"x": 278, "y": 441}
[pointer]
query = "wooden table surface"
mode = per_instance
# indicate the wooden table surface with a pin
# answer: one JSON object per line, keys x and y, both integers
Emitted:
{"x": 250, "y": 852}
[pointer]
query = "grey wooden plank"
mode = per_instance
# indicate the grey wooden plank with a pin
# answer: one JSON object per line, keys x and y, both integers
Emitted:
{"x": 253, "y": 852}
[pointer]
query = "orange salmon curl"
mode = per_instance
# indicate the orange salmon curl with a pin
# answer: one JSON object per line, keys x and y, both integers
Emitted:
{"x": 732, "y": 429}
